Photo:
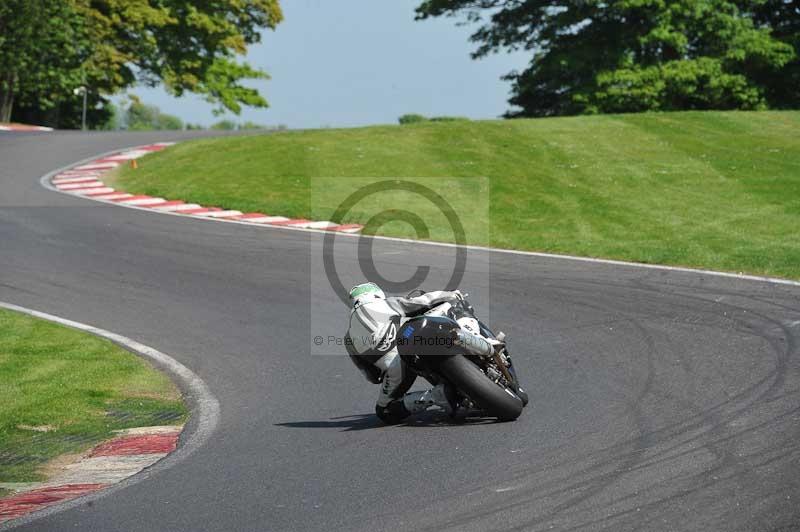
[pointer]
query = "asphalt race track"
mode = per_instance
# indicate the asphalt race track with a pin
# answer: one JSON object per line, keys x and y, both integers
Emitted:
{"x": 659, "y": 400}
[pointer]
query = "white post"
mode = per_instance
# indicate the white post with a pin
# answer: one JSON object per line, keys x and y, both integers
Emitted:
{"x": 83, "y": 117}
{"x": 83, "y": 114}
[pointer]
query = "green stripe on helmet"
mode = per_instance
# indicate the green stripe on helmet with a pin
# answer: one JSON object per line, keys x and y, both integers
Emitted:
{"x": 365, "y": 288}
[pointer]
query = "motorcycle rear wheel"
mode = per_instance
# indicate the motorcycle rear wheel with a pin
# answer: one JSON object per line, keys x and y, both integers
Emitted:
{"x": 497, "y": 401}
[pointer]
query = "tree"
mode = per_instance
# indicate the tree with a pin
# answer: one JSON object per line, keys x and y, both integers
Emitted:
{"x": 114, "y": 120}
{"x": 635, "y": 55}
{"x": 783, "y": 17}
{"x": 141, "y": 117}
{"x": 251, "y": 126}
{"x": 170, "y": 122}
{"x": 67, "y": 112}
{"x": 50, "y": 47}
{"x": 411, "y": 118}
{"x": 186, "y": 45}
{"x": 224, "y": 125}
{"x": 42, "y": 46}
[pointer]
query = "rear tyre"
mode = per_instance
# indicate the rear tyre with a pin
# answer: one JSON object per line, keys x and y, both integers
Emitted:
{"x": 497, "y": 401}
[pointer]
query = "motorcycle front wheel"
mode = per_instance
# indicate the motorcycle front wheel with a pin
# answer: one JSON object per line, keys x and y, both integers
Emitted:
{"x": 496, "y": 400}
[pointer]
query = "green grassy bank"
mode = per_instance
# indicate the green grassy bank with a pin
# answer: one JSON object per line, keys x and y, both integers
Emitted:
{"x": 62, "y": 391}
{"x": 717, "y": 190}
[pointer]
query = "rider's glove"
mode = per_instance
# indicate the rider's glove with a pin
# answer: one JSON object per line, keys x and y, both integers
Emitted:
{"x": 461, "y": 305}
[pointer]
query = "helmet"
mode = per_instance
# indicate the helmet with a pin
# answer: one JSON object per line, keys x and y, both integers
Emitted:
{"x": 365, "y": 293}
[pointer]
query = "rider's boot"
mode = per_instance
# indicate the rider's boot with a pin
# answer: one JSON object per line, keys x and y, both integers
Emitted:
{"x": 458, "y": 408}
{"x": 436, "y": 396}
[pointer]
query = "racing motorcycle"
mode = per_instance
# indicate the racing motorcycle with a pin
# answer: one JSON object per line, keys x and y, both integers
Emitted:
{"x": 448, "y": 344}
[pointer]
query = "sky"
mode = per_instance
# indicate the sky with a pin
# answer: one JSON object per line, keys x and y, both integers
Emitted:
{"x": 348, "y": 63}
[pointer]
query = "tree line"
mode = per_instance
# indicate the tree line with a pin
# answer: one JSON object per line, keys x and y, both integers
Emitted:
{"x": 587, "y": 56}
{"x": 135, "y": 115}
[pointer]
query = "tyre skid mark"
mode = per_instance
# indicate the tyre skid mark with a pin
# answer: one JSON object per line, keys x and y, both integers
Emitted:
{"x": 715, "y": 434}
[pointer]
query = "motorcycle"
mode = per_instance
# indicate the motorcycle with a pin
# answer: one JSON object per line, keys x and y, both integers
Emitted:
{"x": 448, "y": 344}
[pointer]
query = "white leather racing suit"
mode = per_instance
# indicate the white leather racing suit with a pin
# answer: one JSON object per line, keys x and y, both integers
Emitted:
{"x": 372, "y": 345}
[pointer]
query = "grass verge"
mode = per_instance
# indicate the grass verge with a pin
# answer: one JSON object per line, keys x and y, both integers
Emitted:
{"x": 717, "y": 190}
{"x": 62, "y": 391}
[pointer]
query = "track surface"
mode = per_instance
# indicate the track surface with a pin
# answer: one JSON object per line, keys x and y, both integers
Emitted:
{"x": 659, "y": 400}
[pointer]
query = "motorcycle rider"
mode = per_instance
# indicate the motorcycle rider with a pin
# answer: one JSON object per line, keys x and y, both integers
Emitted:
{"x": 371, "y": 342}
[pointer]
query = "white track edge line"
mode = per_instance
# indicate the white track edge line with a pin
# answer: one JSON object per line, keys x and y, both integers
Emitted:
{"x": 45, "y": 182}
{"x": 204, "y": 408}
